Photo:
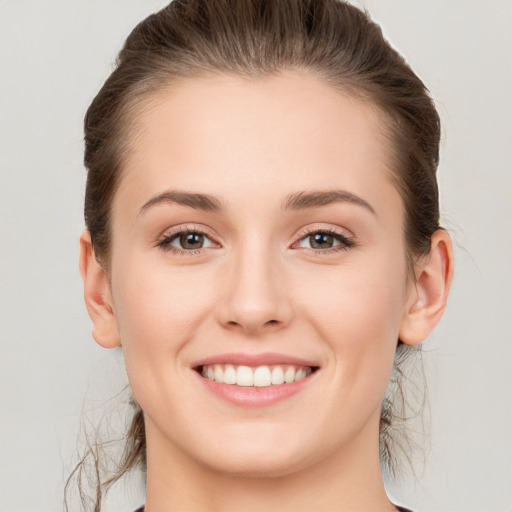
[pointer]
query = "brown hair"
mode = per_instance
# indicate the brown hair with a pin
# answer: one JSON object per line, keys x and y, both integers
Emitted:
{"x": 331, "y": 39}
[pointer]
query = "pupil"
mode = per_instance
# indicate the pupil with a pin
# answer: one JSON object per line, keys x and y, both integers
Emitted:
{"x": 321, "y": 241}
{"x": 191, "y": 240}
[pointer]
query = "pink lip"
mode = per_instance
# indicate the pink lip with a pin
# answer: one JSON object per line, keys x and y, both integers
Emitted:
{"x": 254, "y": 360}
{"x": 253, "y": 396}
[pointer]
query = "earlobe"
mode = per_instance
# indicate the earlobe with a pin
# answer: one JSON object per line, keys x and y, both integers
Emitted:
{"x": 434, "y": 275}
{"x": 97, "y": 296}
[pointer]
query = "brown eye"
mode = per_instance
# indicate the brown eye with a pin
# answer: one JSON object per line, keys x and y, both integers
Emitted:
{"x": 191, "y": 240}
{"x": 321, "y": 241}
{"x": 186, "y": 241}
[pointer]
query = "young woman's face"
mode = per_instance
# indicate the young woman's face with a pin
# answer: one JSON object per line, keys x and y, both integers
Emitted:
{"x": 257, "y": 238}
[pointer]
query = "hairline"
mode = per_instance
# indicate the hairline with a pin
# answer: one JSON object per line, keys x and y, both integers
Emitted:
{"x": 143, "y": 98}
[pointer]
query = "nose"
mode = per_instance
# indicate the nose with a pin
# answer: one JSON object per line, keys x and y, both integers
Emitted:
{"x": 254, "y": 298}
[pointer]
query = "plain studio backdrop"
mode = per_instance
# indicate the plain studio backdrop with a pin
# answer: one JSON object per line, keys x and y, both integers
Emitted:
{"x": 54, "y": 56}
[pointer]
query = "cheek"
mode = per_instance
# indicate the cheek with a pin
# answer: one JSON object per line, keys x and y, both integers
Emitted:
{"x": 367, "y": 297}
{"x": 158, "y": 308}
{"x": 358, "y": 313}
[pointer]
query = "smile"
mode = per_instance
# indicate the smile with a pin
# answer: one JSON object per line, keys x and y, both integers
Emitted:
{"x": 255, "y": 380}
{"x": 261, "y": 376}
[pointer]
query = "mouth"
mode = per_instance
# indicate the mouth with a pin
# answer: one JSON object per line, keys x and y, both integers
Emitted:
{"x": 255, "y": 380}
{"x": 262, "y": 376}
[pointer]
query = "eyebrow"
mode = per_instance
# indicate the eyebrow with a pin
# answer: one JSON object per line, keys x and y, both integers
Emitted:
{"x": 297, "y": 201}
{"x": 315, "y": 199}
{"x": 197, "y": 201}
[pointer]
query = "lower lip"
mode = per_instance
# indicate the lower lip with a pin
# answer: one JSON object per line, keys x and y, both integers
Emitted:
{"x": 252, "y": 396}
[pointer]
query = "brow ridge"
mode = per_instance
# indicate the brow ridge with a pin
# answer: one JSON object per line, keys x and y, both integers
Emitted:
{"x": 192, "y": 199}
{"x": 296, "y": 201}
{"x": 316, "y": 199}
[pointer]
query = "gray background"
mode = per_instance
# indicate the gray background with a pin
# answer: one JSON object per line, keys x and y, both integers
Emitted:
{"x": 54, "y": 56}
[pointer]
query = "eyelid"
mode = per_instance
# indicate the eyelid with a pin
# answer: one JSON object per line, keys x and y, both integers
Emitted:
{"x": 346, "y": 238}
{"x": 176, "y": 231}
{"x": 324, "y": 228}
{"x": 184, "y": 228}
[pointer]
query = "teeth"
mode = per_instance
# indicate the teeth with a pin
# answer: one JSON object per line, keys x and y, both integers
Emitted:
{"x": 289, "y": 374}
{"x": 244, "y": 376}
{"x": 262, "y": 376}
{"x": 299, "y": 374}
{"x": 229, "y": 374}
{"x": 277, "y": 375}
{"x": 218, "y": 373}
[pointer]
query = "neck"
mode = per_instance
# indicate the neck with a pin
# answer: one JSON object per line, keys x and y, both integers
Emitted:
{"x": 348, "y": 479}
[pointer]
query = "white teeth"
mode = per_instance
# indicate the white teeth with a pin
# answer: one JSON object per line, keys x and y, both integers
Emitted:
{"x": 262, "y": 376}
{"x": 299, "y": 374}
{"x": 229, "y": 374}
{"x": 289, "y": 374}
{"x": 277, "y": 375}
{"x": 218, "y": 373}
{"x": 244, "y": 376}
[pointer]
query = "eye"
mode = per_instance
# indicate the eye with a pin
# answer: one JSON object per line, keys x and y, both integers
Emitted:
{"x": 325, "y": 240}
{"x": 186, "y": 241}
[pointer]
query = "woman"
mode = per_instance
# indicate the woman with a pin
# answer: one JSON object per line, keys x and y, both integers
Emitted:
{"x": 263, "y": 241}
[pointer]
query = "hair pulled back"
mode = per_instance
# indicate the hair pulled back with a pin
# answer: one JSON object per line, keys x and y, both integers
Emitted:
{"x": 330, "y": 39}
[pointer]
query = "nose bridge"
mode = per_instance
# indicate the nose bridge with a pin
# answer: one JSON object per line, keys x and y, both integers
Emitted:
{"x": 254, "y": 298}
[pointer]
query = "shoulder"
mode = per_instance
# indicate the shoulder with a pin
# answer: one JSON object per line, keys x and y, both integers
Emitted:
{"x": 400, "y": 509}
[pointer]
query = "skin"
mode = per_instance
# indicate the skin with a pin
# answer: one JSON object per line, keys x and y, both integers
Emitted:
{"x": 257, "y": 286}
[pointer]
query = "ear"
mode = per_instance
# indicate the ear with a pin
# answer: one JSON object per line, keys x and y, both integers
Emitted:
{"x": 97, "y": 295}
{"x": 428, "y": 295}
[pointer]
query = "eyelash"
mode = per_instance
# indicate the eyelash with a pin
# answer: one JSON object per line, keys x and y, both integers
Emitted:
{"x": 345, "y": 243}
{"x": 165, "y": 242}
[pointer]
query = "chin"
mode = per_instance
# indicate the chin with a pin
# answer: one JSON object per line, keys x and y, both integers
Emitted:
{"x": 258, "y": 468}
{"x": 258, "y": 457}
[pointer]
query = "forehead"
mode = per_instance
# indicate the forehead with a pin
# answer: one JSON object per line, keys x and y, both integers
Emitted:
{"x": 275, "y": 134}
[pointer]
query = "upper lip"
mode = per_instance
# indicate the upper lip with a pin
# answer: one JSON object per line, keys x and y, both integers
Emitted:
{"x": 263, "y": 359}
